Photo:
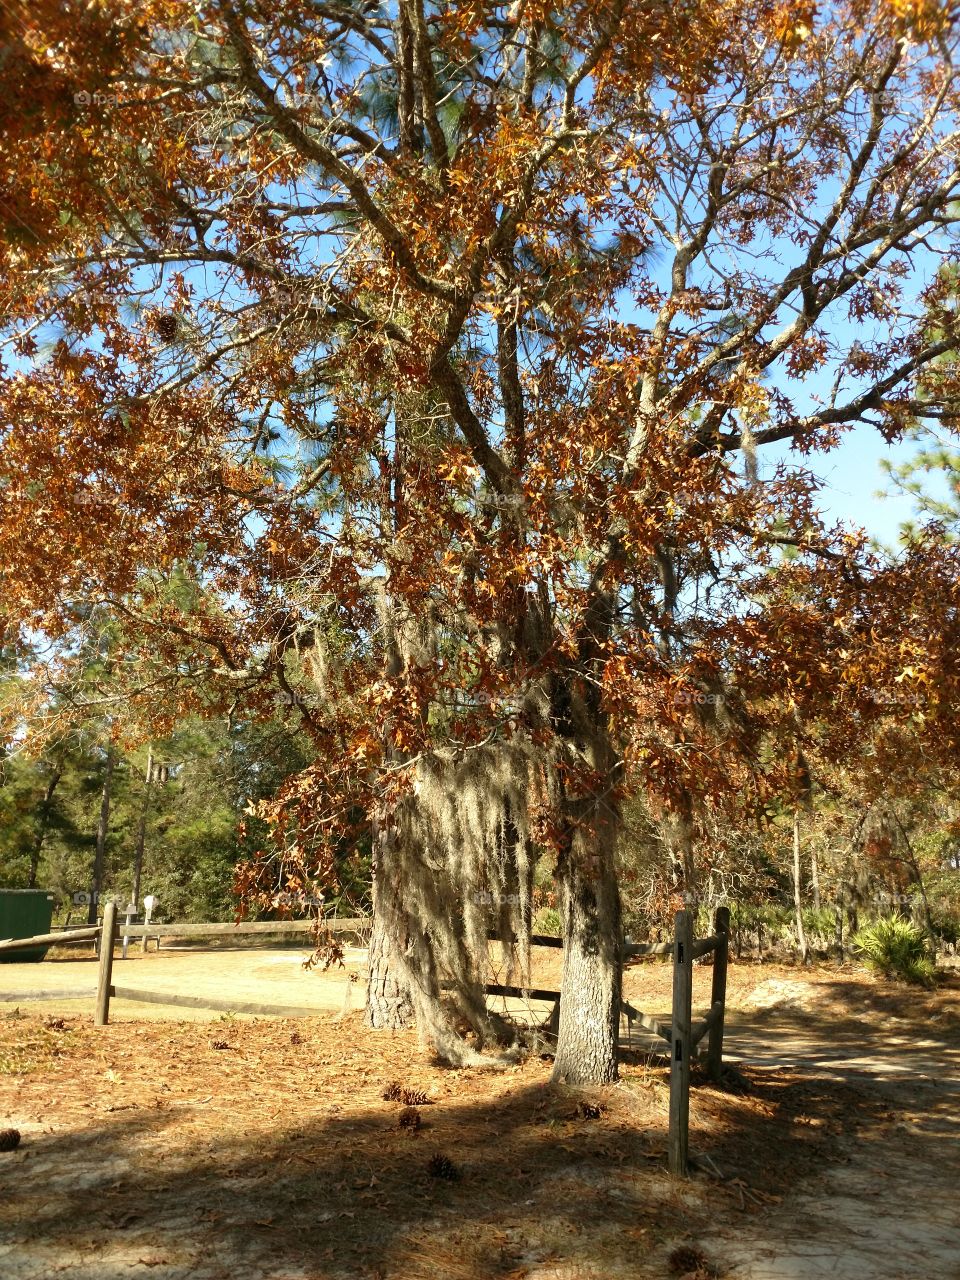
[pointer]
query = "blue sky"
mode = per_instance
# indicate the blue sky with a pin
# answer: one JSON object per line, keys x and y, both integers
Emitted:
{"x": 852, "y": 476}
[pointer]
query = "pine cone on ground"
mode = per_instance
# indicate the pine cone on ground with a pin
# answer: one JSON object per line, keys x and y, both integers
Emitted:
{"x": 439, "y": 1166}
{"x": 9, "y": 1139}
{"x": 688, "y": 1260}
{"x": 589, "y": 1111}
{"x": 393, "y": 1092}
{"x": 409, "y": 1118}
{"x": 414, "y": 1098}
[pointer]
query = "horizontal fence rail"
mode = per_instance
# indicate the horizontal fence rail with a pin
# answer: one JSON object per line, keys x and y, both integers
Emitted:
{"x": 656, "y": 1026}
{"x": 51, "y": 939}
{"x": 646, "y": 949}
{"x": 703, "y": 946}
{"x": 264, "y": 1008}
{"x": 106, "y": 988}
{"x": 65, "y": 993}
{"x": 335, "y": 924}
{"x": 639, "y": 949}
{"x": 520, "y": 993}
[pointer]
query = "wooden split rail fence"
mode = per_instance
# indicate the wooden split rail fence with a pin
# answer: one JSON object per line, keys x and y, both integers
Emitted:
{"x": 685, "y": 1035}
{"x": 107, "y": 933}
{"x": 682, "y": 1033}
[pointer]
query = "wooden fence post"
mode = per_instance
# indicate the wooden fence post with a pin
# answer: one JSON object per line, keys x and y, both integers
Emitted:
{"x": 680, "y": 1042}
{"x": 721, "y": 928}
{"x": 108, "y": 938}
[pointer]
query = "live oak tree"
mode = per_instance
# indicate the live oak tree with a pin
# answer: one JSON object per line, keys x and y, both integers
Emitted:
{"x": 437, "y": 350}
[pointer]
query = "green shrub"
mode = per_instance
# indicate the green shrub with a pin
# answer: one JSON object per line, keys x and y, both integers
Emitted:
{"x": 774, "y": 918}
{"x": 547, "y": 920}
{"x": 946, "y": 925}
{"x": 897, "y": 948}
{"x": 820, "y": 922}
{"x": 943, "y": 892}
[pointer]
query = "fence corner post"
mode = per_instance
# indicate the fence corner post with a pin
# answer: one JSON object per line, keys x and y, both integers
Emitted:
{"x": 680, "y": 1046}
{"x": 719, "y": 993}
{"x": 108, "y": 938}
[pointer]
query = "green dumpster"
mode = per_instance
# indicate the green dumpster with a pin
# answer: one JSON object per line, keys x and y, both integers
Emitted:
{"x": 24, "y": 913}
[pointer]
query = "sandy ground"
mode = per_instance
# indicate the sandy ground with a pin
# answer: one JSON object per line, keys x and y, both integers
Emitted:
{"x": 263, "y": 1149}
{"x": 241, "y": 974}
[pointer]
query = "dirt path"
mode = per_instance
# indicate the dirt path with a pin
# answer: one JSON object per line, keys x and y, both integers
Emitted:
{"x": 887, "y": 1212}
{"x": 885, "y": 1209}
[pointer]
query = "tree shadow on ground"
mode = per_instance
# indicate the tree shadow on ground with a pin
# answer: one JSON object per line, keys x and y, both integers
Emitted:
{"x": 351, "y": 1195}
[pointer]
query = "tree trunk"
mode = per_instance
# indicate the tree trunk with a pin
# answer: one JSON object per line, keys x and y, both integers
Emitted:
{"x": 44, "y": 823}
{"x": 388, "y": 998}
{"x": 142, "y": 830}
{"x": 100, "y": 856}
{"x": 797, "y": 890}
{"x": 405, "y": 985}
{"x": 680, "y": 842}
{"x": 815, "y": 877}
{"x": 389, "y": 1007}
{"x": 592, "y": 948}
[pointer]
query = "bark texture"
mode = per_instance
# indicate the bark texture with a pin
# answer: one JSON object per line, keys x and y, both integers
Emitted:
{"x": 389, "y": 1006}
{"x": 592, "y": 960}
{"x": 587, "y": 875}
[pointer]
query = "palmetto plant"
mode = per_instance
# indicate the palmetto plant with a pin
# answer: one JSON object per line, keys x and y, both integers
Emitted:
{"x": 896, "y": 947}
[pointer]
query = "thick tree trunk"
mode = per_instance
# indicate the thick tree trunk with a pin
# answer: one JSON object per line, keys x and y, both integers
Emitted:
{"x": 588, "y": 782}
{"x": 389, "y": 1006}
{"x": 422, "y": 968}
{"x": 592, "y": 943}
{"x": 592, "y": 957}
